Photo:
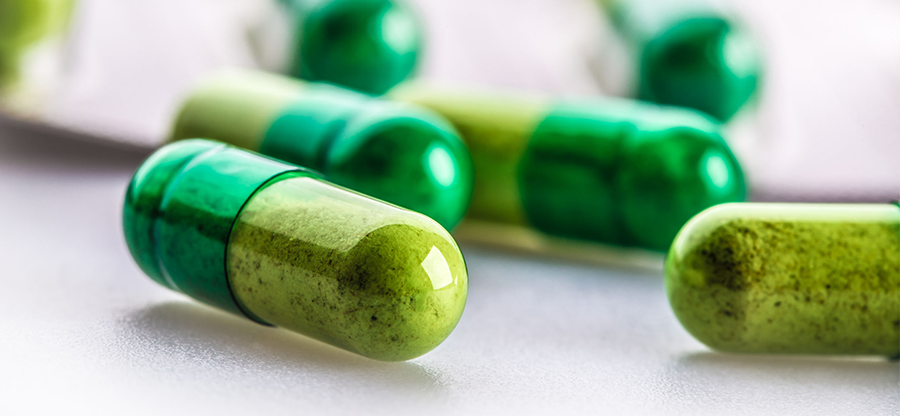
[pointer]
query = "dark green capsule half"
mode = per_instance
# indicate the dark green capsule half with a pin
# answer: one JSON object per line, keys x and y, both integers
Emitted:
{"x": 179, "y": 210}
{"x": 366, "y": 45}
{"x": 399, "y": 153}
{"x": 611, "y": 171}
{"x": 691, "y": 55}
{"x": 790, "y": 278}
{"x": 279, "y": 245}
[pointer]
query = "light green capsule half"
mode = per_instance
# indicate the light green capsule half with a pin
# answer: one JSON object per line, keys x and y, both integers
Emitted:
{"x": 790, "y": 278}
{"x": 345, "y": 269}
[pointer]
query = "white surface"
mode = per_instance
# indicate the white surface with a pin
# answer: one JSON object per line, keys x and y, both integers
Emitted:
{"x": 85, "y": 332}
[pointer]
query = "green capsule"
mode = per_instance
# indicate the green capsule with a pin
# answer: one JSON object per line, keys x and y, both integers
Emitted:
{"x": 366, "y": 45}
{"x": 9, "y": 68}
{"x": 790, "y": 278}
{"x": 401, "y": 154}
{"x": 23, "y": 21}
{"x": 611, "y": 171}
{"x": 690, "y": 54}
{"x": 276, "y": 243}
{"x": 22, "y": 24}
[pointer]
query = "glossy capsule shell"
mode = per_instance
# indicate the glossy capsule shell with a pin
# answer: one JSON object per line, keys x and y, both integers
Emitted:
{"x": 689, "y": 54}
{"x": 790, "y": 278}
{"x": 279, "y": 245}
{"x": 365, "y": 45}
{"x": 610, "y": 171}
{"x": 399, "y": 153}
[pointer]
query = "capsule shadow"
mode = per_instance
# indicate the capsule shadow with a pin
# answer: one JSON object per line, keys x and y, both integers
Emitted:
{"x": 723, "y": 383}
{"x": 878, "y": 375}
{"x": 576, "y": 254}
{"x": 45, "y": 147}
{"x": 534, "y": 303}
{"x": 188, "y": 335}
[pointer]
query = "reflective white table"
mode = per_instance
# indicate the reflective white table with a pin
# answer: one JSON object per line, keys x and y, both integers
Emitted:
{"x": 85, "y": 332}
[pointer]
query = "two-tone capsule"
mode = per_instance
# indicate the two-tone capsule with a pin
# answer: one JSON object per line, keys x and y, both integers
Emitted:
{"x": 396, "y": 152}
{"x": 366, "y": 45}
{"x": 278, "y": 244}
{"x": 790, "y": 278}
{"x": 611, "y": 171}
{"x": 689, "y": 53}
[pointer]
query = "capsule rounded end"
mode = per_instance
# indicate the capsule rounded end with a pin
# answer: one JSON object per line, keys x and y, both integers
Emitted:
{"x": 701, "y": 63}
{"x": 412, "y": 283}
{"x": 705, "y": 290}
{"x": 145, "y": 195}
{"x": 335, "y": 265}
{"x": 406, "y": 156}
{"x": 367, "y": 45}
{"x": 669, "y": 174}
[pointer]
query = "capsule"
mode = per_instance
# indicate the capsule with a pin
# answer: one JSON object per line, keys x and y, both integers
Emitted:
{"x": 366, "y": 45}
{"x": 790, "y": 278}
{"x": 401, "y": 154}
{"x": 610, "y": 171}
{"x": 23, "y": 24}
{"x": 690, "y": 54}
{"x": 279, "y": 245}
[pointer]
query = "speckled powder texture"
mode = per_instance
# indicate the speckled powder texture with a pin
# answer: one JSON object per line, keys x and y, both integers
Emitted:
{"x": 792, "y": 287}
{"x": 350, "y": 271}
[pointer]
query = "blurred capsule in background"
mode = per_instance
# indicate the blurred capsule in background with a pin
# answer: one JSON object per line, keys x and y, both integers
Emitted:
{"x": 397, "y": 152}
{"x": 279, "y": 245}
{"x": 790, "y": 278}
{"x": 610, "y": 171}
{"x": 27, "y": 28}
{"x": 365, "y": 45}
{"x": 690, "y": 53}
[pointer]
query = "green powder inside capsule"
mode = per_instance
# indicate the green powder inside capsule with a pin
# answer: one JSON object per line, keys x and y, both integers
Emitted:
{"x": 792, "y": 286}
{"x": 362, "y": 275}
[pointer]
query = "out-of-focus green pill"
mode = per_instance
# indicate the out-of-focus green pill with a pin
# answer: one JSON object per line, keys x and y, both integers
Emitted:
{"x": 790, "y": 278}
{"x": 611, "y": 171}
{"x": 9, "y": 68}
{"x": 690, "y": 54}
{"x": 396, "y": 152}
{"x": 24, "y": 23}
{"x": 276, "y": 243}
{"x": 366, "y": 45}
